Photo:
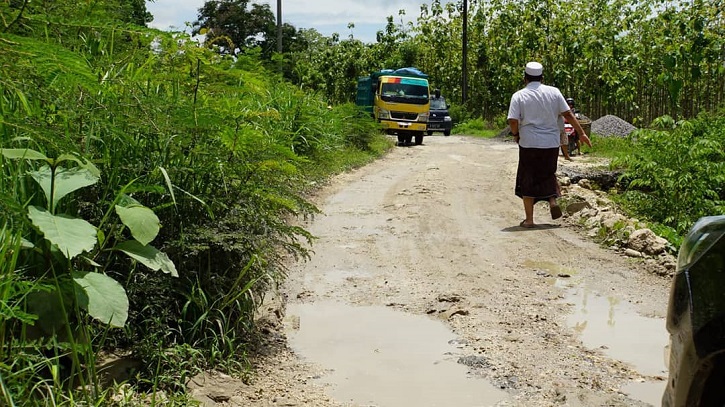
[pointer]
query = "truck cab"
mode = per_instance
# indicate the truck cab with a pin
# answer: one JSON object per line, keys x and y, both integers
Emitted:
{"x": 399, "y": 100}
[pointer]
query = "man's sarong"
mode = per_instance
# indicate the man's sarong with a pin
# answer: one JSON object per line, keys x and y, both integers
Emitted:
{"x": 536, "y": 175}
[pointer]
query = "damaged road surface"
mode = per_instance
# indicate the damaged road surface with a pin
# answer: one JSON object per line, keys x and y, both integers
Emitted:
{"x": 424, "y": 291}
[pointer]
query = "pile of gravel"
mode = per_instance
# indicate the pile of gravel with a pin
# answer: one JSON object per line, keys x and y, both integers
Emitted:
{"x": 611, "y": 125}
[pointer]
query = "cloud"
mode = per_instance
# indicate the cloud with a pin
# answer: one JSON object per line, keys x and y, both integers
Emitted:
{"x": 326, "y": 16}
{"x": 346, "y": 11}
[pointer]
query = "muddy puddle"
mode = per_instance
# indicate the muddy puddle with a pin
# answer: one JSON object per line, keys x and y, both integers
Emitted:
{"x": 380, "y": 357}
{"x": 612, "y": 325}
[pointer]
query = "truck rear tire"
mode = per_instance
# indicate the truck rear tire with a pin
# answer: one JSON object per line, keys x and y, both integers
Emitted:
{"x": 419, "y": 139}
{"x": 401, "y": 140}
{"x": 447, "y": 133}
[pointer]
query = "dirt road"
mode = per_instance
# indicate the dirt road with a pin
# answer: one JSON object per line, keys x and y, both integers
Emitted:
{"x": 423, "y": 248}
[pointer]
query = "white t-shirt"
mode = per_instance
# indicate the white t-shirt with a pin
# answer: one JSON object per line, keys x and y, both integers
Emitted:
{"x": 537, "y": 107}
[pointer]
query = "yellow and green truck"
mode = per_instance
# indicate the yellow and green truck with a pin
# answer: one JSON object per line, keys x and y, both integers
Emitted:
{"x": 399, "y": 100}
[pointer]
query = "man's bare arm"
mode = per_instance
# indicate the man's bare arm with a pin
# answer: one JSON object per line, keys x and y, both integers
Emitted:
{"x": 514, "y": 125}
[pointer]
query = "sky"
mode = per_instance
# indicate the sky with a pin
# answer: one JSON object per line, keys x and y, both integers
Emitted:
{"x": 326, "y": 16}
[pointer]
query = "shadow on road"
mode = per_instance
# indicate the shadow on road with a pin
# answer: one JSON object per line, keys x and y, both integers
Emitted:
{"x": 539, "y": 226}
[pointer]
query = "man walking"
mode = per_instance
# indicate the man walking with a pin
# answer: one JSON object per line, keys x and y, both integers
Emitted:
{"x": 533, "y": 117}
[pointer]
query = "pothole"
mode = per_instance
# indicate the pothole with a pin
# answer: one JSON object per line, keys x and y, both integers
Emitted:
{"x": 382, "y": 357}
{"x": 613, "y": 325}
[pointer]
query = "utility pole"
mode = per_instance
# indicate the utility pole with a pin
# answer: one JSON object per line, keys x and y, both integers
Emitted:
{"x": 279, "y": 26}
{"x": 464, "y": 85}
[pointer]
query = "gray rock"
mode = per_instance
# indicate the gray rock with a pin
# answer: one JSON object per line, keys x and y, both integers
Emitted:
{"x": 646, "y": 241}
{"x": 575, "y": 207}
{"x": 612, "y": 219}
{"x": 585, "y": 183}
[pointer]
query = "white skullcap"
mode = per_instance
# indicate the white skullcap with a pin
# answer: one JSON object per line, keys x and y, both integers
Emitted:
{"x": 534, "y": 69}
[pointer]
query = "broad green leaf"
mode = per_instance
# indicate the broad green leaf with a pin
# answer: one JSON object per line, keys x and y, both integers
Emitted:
{"x": 66, "y": 181}
{"x": 148, "y": 256}
{"x": 23, "y": 153}
{"x": 72, "y": 236}
{"x": 47, "y": 306}
{"x": 142, "y": 221}
{"x": 127, "y": 200}
{"x": 103, "y": 297}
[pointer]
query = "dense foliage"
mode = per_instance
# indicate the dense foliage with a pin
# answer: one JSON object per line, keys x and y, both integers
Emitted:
{"x": 675, "y": 172}
{"x": 637, "y": 59}
{"x": 147, "y": 183}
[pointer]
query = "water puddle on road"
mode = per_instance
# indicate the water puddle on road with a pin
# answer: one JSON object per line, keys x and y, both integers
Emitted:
{"x": 382, "y": 357}
{"x": 648, "y": 392}
{"x": 615, "y": 327}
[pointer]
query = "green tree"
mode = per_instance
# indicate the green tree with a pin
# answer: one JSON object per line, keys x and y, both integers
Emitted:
{"x": 233, "y": 24}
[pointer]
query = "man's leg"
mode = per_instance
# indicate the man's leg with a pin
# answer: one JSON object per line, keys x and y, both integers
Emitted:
{"x": 529, "y": 211}
{"x": 554, "y": 208}
{"x": 565, "y": 151}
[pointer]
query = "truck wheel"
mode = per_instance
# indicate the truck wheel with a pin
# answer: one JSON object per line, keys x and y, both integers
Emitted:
{"x": 401, "y": 140}
{"x": 409, "y": 139}
{"x": 419, "y": 139}
{"x": 447, "y": 133}
{"x": 430, "y": 133}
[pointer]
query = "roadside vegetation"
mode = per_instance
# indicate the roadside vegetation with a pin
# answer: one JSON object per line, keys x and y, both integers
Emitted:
{"x": 150, "y": 183}
{"x": 673, "y": 172}
{"x": 146, "y": 195}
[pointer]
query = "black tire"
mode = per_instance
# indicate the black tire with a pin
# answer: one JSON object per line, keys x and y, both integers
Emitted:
{"x": 401, "y": 140}
{"x": 418, "y": 139}
{"x": 447, "y": 133}
{"x": 712, "y": 394}
{"x": 430, "y": 133}
{"x": 409, "y": 139}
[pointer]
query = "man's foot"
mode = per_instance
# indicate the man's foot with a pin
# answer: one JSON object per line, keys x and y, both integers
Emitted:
{"x": 568, "y": 158}
{"x": 527, "y": 225}
{"x": 555, "y": 211}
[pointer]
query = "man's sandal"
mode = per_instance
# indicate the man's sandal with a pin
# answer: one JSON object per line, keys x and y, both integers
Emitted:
{"x": 555, "y": 212}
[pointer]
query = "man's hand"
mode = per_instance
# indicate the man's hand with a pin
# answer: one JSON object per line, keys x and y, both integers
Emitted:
{"x": 583, "y": 137}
